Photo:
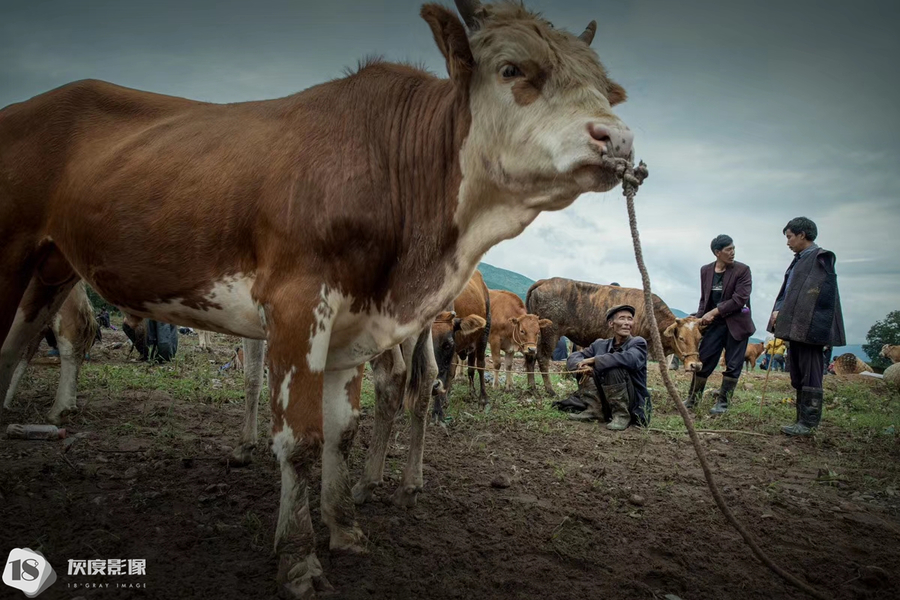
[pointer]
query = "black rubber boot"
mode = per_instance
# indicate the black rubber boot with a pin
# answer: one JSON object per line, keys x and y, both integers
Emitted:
{"x": 724, "y": 396}
{"x": 617, "y": 397}
{"x": 810, "y": 403}
{"x": 695, "y": 394}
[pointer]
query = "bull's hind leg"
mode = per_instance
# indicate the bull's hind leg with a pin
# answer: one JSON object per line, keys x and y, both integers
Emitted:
{"x": 389, "y": 372}
{"x": 75, "y": 329}
{"x": 423, "y": 370}
{"x": 298, "y": 338}
{"x": 340, "y": 405}
{"x": 254, "y": 371}
{"x": 43, "y": 298}
{"x": 21, "y": 369}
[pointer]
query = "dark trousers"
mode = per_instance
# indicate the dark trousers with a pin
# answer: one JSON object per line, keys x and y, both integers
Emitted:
{"x": 715, "y": 338}
{"x": 639, "y": 408}
{"x": 807, "y": 365}
{"x": 778, "y": 365}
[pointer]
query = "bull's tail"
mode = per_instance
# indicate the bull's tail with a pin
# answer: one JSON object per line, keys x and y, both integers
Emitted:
{"x": 419, "y": 382}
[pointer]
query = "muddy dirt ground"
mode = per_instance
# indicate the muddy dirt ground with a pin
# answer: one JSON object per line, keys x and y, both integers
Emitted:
{"x": 588, "y": 513}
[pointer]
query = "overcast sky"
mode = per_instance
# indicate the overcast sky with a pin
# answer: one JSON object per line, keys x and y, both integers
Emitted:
{"x": 748, "y": 114}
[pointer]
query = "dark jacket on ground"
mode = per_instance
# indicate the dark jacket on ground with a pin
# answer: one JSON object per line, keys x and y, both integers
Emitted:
{"x": 631, "y": 356}
{"x": 737, "y": 284}
{"x": 811, "y": 307}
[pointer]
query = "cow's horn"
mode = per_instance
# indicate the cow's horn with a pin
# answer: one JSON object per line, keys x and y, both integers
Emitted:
{"x": 588, "y": 35}
{"x": 467, "y": 10}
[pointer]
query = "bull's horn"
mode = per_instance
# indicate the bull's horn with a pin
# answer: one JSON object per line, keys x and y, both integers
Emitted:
{"x": 467, "y": 9}
{"x": 587, "y": 36}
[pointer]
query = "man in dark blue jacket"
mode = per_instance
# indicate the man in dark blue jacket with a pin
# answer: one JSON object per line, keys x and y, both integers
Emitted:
{"x": 619, "y": 368}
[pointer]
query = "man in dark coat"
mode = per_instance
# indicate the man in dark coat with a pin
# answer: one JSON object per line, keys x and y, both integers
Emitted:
{"x": 724, "y": 310}
{"x": 807, "y": 313}
{"x": 619, "y": 369}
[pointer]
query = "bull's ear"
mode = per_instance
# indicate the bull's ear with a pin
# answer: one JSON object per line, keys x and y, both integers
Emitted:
{"x": 670, "y": 330}
{"x": 616, "y": 94}
{"x": 544, "y": 323}
{"x": 457, "y": 323}
{"x": 514, "y": 320}
{"x": 451, "y": 39}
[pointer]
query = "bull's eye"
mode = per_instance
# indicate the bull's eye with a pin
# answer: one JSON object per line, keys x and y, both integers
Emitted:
{"x": 680, "y": 338}
{"x": 448, "y": 345}
{"x": 511, "y": 72}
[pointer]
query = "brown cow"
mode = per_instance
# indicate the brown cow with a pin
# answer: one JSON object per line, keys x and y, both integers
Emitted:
{"x": 469, "y": 339}
{"x": 512, "y": 329}
{"x": 752, "y": 354}
{"x": 334, "y": 223}
{"x": 75, "y": 330}
{"x": 578, "y": 311}
{"x": 891, "y": 352}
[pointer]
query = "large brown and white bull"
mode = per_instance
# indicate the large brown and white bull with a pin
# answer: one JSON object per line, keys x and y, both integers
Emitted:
{"x": 512, "y": 330}
{"x": 577, "y": 310}
{"x": 334, "y": 223}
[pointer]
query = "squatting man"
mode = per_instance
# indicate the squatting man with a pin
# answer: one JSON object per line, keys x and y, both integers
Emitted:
{"x": 618, "y": 367}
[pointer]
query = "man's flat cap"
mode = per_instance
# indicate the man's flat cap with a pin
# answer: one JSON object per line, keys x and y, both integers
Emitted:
{"x": 612, "y": 312}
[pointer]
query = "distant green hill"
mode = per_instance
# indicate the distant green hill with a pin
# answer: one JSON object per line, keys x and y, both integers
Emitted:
{"x": 501, "y": 279}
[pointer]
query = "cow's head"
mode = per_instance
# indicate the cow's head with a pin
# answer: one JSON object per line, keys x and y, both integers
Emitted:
{"x": 446, "y": 331}
{"x": 526, "y": 332}
{"x": 540, "y": 101}
{"x": 685, "y": 335}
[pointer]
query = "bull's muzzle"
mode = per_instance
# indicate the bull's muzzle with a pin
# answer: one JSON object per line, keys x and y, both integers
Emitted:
{"x": 437, "y": 389}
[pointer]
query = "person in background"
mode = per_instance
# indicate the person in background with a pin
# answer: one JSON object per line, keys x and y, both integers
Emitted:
{"x": 807, "y": 314}
{"x": 724, "y": 309}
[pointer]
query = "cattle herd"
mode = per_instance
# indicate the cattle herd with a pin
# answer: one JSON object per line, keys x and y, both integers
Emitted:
{"x": 335, "y": 227}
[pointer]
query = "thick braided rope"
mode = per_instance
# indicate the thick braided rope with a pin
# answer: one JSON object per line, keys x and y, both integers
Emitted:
{"x": 631, "y": 180}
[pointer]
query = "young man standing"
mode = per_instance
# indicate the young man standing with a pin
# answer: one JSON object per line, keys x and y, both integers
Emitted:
{"x": 807, "y": 314}
{"x": 619, "y": 368}
{"x": 724, "y": 309}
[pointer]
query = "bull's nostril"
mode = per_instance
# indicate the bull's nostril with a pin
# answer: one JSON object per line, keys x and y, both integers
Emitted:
{"x": 599, "y": 132}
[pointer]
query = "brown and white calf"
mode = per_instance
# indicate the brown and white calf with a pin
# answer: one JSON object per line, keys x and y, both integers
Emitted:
{"x": 512, "y": 330}
{"x": 334, "y": 223}
{"x": 75, "y": 330}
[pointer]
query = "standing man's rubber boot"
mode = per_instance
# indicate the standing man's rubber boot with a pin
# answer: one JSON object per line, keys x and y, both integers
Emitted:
{"x": 695, "y": 394}
{"x": 724, "y": 396}
{"x": 617, "y": 397}
{"x": 810, "y": 402}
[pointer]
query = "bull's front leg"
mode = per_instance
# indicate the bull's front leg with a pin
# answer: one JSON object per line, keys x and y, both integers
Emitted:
{"x": 508, "y": 363}
{"x": 421, "y": 385}
{"x": 543, "y": 361}
{"x": 341, "y": 419}
{"x": 389, "y": 373}
{"x": 254, "y": 372}
{"x": 298, "y": 337}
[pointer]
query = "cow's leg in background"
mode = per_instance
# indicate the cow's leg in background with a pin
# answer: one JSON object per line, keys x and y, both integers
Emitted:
{"x": 508, "y": 363}
{"x": 75, "y": 329}
{"x": 296, "y": 375}
{"x": 390, "y": 374}
{"x": 548, "y": 340}
{"x": 497, "y": 361}
{"x": 480, "y": 351}
{"x": 423, "y": 370}
{"x": 254, "y": 371}
{"x": 340, "y": 399}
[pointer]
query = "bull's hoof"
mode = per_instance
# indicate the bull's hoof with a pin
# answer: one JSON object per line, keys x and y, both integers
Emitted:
{"x": 550, "y": 392}
{"x": 55, "y": 417}
{"x": 303, "y": 580}
{"x": 242, "y": 455}
{"x": 364, "y": 492}
{"x": 406, "y": 496}
{"x": 350, "y": 540}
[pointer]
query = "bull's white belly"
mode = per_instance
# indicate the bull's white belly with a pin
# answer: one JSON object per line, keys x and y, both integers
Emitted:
{"x": 236, "y": 313}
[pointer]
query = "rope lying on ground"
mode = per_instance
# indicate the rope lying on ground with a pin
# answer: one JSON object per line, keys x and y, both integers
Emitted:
{"x": 631, "y": 179}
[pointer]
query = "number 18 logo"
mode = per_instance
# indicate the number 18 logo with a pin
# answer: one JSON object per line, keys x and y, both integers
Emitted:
{"x": 28, "y": 571}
